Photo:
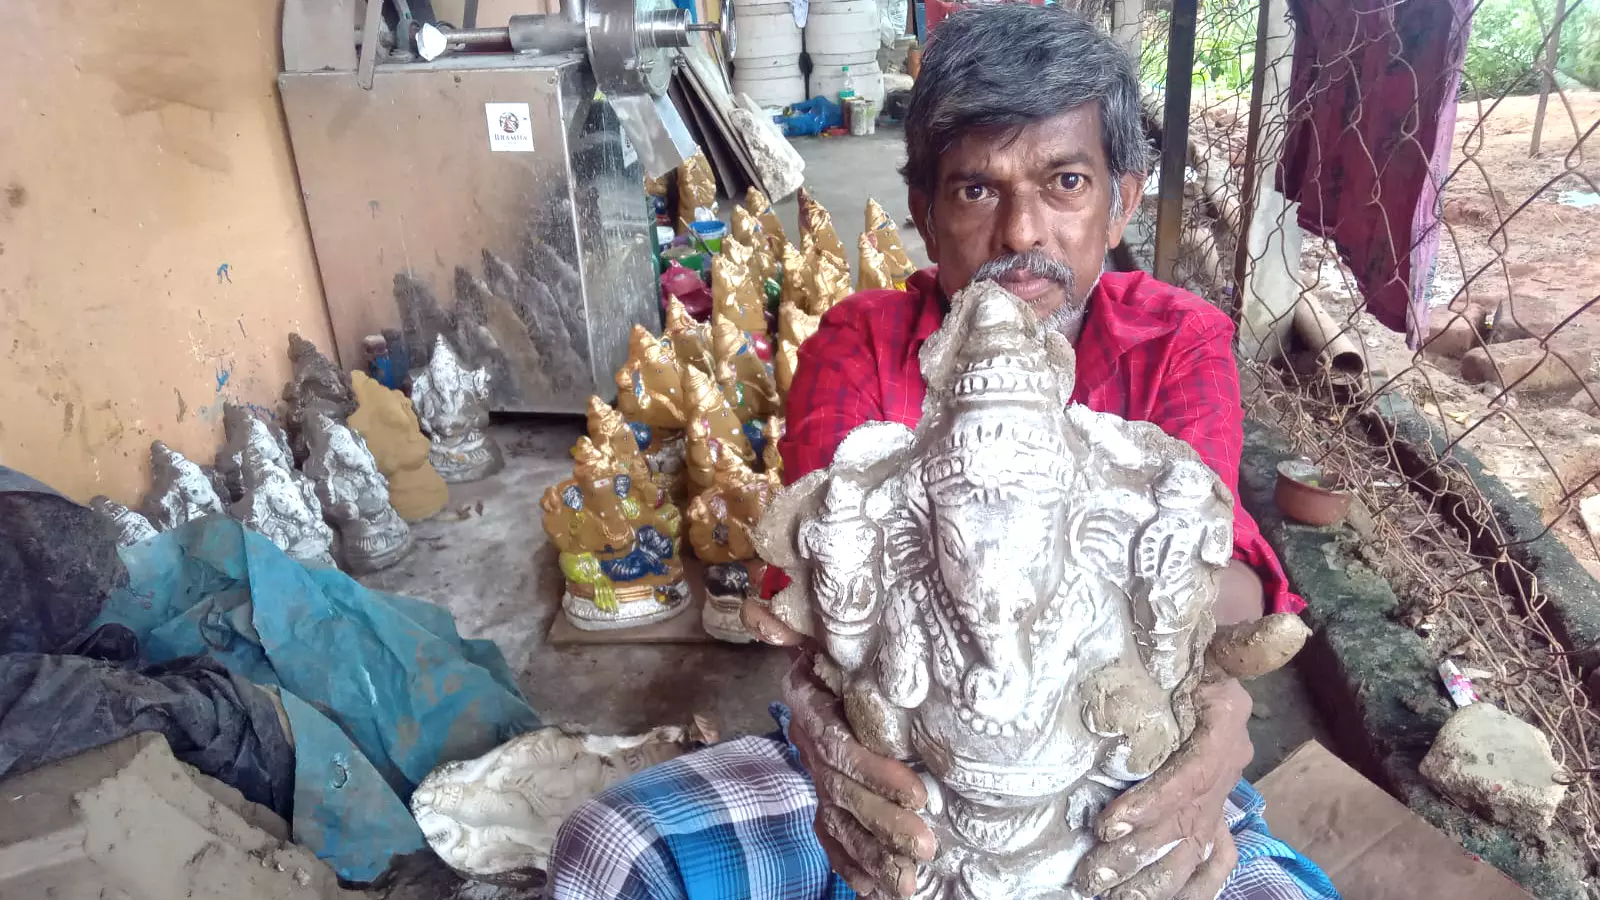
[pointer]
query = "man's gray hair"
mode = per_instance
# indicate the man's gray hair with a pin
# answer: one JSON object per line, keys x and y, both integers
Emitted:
{"x": 1000, "y": 66}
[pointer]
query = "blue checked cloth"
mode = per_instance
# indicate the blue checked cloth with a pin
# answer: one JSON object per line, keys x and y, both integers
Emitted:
{"x": 734, "y": 821}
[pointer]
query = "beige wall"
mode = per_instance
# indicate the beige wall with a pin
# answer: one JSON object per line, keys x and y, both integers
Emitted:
{"x": 493, "y": 13}
{"x": 141, "y": 149}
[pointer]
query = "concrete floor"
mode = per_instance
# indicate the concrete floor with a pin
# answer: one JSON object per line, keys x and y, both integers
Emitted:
{"x": 496, "y": 571}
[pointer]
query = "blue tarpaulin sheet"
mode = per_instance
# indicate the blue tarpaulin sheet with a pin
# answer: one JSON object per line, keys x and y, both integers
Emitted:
{"x": 379, "y": 689}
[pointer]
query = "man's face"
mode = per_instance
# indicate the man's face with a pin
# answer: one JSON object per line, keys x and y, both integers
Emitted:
{"x": 1044, "y": 190}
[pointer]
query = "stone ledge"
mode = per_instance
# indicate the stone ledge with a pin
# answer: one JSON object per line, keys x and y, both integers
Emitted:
{"x": 1375, "y": 681}
{"x": 1529, "y": 563}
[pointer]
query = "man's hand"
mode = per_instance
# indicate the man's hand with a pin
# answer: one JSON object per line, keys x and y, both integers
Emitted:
{"x": 866, "y": 819}
{"x": 1165, "y": 839}
{"x": 766, "y": 627}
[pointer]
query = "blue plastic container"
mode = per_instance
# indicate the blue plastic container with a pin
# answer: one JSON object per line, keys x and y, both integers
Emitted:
{"x": 710, "y": 234}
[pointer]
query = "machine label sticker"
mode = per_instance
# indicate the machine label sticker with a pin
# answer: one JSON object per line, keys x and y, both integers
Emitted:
{"x": 629, "y": 155}
{"x": 510, "y": 128}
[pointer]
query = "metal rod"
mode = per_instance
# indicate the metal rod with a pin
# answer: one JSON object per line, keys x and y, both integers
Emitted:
{"x": 480, "y": 38}
{"x": 402, "y": 31}
{"x": 1552, "y": 51}
{"x": 1175, "y": 136}
{"x": 469, "y": 15}
{"x": 1252, "y": 149}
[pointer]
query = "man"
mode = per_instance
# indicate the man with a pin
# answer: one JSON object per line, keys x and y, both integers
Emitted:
{"x": 1025, "y": 160}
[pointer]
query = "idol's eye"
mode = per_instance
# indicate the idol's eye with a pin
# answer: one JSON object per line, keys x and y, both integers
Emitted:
{"x": 972, "y": 193}
{"x": 1071, "y": 181}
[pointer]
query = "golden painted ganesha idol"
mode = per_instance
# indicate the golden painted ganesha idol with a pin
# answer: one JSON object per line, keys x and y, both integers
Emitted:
{"x": 618, "y": 541}
{"x": 722, "y": 520}
{"x": 651, "y": 401}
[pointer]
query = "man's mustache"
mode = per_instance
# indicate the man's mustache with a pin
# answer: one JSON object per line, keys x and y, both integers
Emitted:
{"x": 1035, "y": 262}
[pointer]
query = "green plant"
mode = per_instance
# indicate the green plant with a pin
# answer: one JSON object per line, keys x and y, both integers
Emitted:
{"x": 1504, "y": 45}
{"x": 1580, "y": 45}
{"x": 1224, "y": 46}
{"x": 1501, "y": 49}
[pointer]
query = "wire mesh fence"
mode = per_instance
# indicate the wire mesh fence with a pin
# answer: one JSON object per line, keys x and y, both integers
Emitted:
{"x": 1401, "y": 198}
{"x": 1219, "y": 103}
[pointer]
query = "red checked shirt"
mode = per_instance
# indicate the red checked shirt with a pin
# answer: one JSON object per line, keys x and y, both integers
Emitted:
{"x": 1148, "y": 352}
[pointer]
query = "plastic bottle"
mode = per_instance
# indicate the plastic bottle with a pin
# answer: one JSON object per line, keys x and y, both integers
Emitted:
{"x": 846, "y": 94}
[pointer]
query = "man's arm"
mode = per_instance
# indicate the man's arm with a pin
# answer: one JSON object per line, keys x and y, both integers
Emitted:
{"x": 835, "y": 389}
{"x": 1199, "y": 403}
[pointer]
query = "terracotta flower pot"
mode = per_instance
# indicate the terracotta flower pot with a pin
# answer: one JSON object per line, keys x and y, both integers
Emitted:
{"x": 1307, "y": 495}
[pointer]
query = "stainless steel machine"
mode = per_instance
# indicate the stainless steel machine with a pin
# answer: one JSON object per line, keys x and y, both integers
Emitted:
{"x": 487, "y": 183}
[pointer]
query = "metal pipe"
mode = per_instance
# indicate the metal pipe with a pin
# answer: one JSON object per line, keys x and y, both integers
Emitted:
{"x": 479, "y": 38}
{"x": 1252, "y": 149}
{"x": 546, "y": 33}
{"x": 535, "y": 33}
{"x": 574, "y": 12}
{"x": 1175, "y": 136}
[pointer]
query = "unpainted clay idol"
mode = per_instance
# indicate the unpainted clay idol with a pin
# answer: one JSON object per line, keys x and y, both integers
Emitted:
{"x": 354, "y": 497}
{"x": 316, "y": 386}
{"x": 387, "y": 422}
{"x": 180, "y": 491}
{"x": 130, "y": 527}
{"x": 452, "y": 405}
{"x": 495, "y": 818}
{"x": 243, "y": 430}
{"x": 1017, "y": 596}
{"x": 281, "y": 503}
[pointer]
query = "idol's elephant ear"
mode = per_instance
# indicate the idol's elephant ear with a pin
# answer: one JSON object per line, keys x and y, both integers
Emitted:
{"x": 867, "y": 446}
{"x": 777, "y": 540}
{"x": 866, "y": 456}
{"x": 778, "y": 534}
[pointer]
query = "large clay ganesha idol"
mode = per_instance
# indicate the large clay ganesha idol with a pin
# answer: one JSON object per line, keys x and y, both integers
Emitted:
{"x": 1016, "y": 597}
{"x": 618, "y": 541}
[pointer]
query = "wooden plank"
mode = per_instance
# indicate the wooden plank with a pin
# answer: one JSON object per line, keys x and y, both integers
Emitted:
{"x": 730, "y": 177}
{"x": 720, "y": 104}
{"x": 319, "y": 35}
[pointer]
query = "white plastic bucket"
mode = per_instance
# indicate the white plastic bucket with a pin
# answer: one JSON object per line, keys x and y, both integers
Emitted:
{"x": 768, "y": 65}
{"x": 767, "y": 31}
{"x": 772, "y": 87}
{"x": 842, "y": 33}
